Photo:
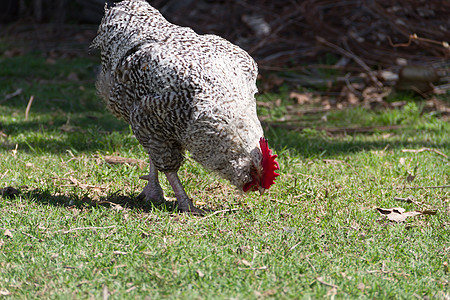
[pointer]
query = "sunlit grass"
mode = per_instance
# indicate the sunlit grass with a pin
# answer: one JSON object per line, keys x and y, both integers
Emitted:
{"x": 77, "y": 231}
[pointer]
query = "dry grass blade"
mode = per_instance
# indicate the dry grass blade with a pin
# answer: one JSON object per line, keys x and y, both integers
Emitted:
{"x": 27, "y": 110}
{"x": 254, "y": 269}
{"x": 407, "y": 200}
{"x": 320, "y": 280}
{"x": 124, "y": 160}
{"x": 428, "y": 187}
{"x": 85, "y": 228}
{"x": 222, "y": 211}
{"x": 425, "y": 149}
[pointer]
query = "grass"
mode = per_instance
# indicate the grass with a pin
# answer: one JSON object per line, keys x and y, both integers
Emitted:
{"x": 76, "y": 230}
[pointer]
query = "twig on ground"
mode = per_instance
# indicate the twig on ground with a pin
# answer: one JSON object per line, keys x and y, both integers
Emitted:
{"x": 428, "y": 187}
{"x": 338, "y": 161}
{"x": 85, "y": 228}
{"x": 260, "y": 268}
{"x": 295, "y": 246}
{"x": 203, "y": 259}
{"x": 387, "y": 272}
{"x": 281, "y": 202}
{"x": 350, "y": 87}
{"x": 320, "y": 280}
{"x": 222, "y": 211}
{"x": 13, "y": 94}
{"x": 4, "y": 174}
{"x": 425, "y": 149}
{"x": 417, "y": 38}
{"x": 407, "y": 200}
{"x": 27, "y": 110}
{"x": 29, "y": 235}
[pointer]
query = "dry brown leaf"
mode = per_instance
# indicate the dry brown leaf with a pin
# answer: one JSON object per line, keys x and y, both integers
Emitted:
{"x": 398, "y": 214}
{"x": 8, "y": 233}
{"x": 301, "y": 98}
{"x": 428, "y": 212}
{"x": 423, "y": 149}
{"x": 410, "y": 177}
{"x": 124, "y": 160}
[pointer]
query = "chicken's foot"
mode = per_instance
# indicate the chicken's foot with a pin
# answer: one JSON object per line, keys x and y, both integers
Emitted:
{"x": 185, "y": 204}
{"x": 152, "y": 191}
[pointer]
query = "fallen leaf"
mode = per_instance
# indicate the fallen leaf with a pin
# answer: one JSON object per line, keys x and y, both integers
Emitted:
{"x": 8, "y": 233}
{"x": 361, "y": 286}
{"x": 301, "y": 98}
{"x": 428, "y": 212}
{"x": 386, "y": 211}
{"x": 398, "y": 214}
{"x": 410, "y": 177}
{"x": 200, "y": 274}
{"x": 4, "y": 292}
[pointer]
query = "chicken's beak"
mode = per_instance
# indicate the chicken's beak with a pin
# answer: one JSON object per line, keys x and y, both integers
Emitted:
{"x": 261, "y": 190}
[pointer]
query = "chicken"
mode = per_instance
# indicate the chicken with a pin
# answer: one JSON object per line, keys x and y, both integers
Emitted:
{"x": 181, "y": 91}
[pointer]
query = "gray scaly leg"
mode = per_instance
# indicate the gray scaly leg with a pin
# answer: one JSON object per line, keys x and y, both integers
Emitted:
{"x": 185, "y": 204}
{"x": 152, "y": 191}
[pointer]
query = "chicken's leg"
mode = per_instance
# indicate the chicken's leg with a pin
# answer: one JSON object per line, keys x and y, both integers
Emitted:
{"x": 184, "y": 202}
{"x": 152, "y": 191}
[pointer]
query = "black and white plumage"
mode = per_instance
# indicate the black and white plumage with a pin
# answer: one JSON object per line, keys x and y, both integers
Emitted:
{"x": 181, "y": 91}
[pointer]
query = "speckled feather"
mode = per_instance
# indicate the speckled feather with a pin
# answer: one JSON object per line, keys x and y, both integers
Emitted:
{"x": 180, "y": 91}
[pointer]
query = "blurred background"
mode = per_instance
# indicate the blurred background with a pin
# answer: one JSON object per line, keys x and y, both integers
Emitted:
{"x": 349, "y": 51}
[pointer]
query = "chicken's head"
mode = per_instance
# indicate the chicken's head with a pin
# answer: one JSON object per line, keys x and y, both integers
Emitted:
{"x": 263, "y": 176}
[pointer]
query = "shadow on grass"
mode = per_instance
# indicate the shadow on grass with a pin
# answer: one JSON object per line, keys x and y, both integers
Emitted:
{"x": 91, "y": 139}
{"x": 320, "y": 145}
{"x": 114, "y": 201}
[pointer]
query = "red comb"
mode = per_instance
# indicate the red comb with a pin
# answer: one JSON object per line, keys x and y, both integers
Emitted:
{"x": 269, "y": 164}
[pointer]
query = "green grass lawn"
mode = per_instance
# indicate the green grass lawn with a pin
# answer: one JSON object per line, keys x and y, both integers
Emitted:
{"x": 77, "y": 231}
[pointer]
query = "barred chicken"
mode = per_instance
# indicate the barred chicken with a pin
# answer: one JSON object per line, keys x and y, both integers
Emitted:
{"x": 181, "y": 91}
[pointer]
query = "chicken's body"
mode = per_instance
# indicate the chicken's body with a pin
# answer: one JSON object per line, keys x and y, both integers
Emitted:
{"x": 179, "y": 91}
